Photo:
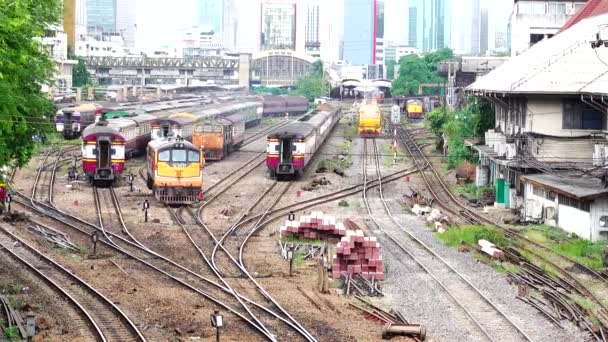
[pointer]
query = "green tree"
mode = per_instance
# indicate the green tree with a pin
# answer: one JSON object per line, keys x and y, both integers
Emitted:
{"x": 472, "y": 121}
{"x": 414, "y": 70}
{"x": 317, "y": 68}
{"x": 390, "y": 69}
{"x": 80, "y": 74}
{"x": 24, "y": 67}
{"x": 312, "y": 86}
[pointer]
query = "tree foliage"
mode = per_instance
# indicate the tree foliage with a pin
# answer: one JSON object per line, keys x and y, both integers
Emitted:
{"x": 317, "y": 68}
{"x": 472, "y": 121}
{"x": 312, "y": 86}
{"x": 269, "y": 90}
{"x": 414, "y": 70}
{"x": 80, "y": 74}
{"x": 24, "y": 67}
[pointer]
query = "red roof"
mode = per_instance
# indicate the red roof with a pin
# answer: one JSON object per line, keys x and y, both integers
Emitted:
{"x": 591, "y": 9}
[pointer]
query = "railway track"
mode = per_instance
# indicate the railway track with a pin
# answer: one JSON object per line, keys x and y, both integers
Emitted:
{"x": 135, "y": 250}
{"x": 180, "y": 274}
{"x": 574, "y": 274}
{"x": 487, "y": 316}
{"x": 236, "y": 269}
{"x": 256, "y": 135}
{"x": 105, "y": 320}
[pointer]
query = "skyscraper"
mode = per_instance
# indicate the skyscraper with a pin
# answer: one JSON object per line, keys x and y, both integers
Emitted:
{"x": 230, "y": 15}
{"x": 101, "y": 16}
{"x": 210, "y": 14}
{"x": 313, "y": 41}
{"x": 412, "y": 40}
{"x": 430, "y": 24}
{"x": 278, "y": 25}
{"x": 475, "y": 26}
{"x": 126, "y": 14}
{"x": 379, "y": 29}
{"x": 484, "y": 32}
{"x": 359, "y": 31}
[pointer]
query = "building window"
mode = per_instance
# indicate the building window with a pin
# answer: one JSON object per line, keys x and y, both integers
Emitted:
{"x": 538, "y": 192}
{"x": 556, "y": 8}
{"x": 575, "y": 203}
{"x": 579, "y": 115}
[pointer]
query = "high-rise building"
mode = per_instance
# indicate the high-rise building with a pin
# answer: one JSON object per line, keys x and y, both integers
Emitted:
{"x": 412, "y": 27}
{"x": 248, "y": 32}
{"x": 278, "y": 25}
{"x": 101, "y": 16}
{"x": 430, "y": 24}
{"x": 331, "y": 30}
{"x": 475, "y": 26}
{"x": 210, "y": 13}
{"x": 379, "y": 29}
{"x": 126, "y": 14}
{"x": 230, "y": 17}
{"x": 69, "y": 20}
{"x": 313, "y": 25}
{"x": 359, "y": 32}
{"x": 484, "y": 32}
{"x": 81, "y": 17}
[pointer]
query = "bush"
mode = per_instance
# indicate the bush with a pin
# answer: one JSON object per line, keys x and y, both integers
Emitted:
{"x": 472, "y": 234}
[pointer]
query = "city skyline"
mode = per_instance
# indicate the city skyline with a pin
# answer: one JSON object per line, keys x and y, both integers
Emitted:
{"x": 320, "y": 28}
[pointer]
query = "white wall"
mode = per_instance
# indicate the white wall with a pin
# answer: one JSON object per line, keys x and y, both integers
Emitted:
{"x": 569, "y": 219}
{"x": 574, "y": 221}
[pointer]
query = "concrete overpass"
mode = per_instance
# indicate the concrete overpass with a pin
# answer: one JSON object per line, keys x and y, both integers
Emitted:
{"x": 144, "y": 70}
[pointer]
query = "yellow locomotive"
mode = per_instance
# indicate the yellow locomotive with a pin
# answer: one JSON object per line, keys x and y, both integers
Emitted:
{"x": 175, "y": 171}
{"x": 370, "y": 120}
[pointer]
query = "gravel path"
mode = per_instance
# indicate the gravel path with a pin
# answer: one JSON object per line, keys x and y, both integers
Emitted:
{"x": 420, "y": 298}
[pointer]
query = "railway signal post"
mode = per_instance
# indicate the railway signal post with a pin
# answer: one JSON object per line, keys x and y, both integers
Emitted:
{"x": 131, "y": 179}
{"x": 145, "y": 209}
{"x": 217, "y": 321}
{"x": 9, "y": 199}
{"x": 290, "y": 251}
{"x": 95, "y": 238}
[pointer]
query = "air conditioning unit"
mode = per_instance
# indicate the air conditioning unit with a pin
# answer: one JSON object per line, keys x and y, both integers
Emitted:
{"x": 511, "y": 151}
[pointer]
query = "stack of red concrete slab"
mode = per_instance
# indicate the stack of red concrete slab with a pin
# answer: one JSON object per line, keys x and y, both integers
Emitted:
{"x": 316, "y": 226}
{"x": 357, "y": 253}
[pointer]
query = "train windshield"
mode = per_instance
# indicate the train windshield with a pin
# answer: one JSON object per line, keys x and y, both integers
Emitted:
{"x": 164, "y": 156}
{"x": 194, "y": 156}
{"x": 179, "y": 156}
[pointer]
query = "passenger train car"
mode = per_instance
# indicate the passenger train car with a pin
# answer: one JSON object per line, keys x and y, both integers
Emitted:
{"x": 182, "y": 124}
{"x": 370, "y": 120}
{"x": 275, "y": 105}
{"x": 291, "y": 148}
{"x": 72, "y": 120}
{"x": 175, "y": 171}
{"x": 103, "y": 154}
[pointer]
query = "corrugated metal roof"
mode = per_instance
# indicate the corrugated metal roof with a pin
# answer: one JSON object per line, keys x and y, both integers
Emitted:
{"x": 564, "y": 64}
{"x": 582, "y": 187}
